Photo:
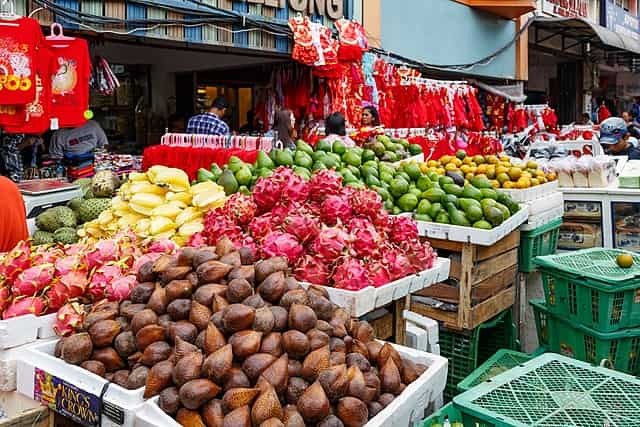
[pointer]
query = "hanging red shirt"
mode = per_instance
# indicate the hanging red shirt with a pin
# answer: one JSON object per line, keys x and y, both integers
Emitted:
{"x": 20, "y": 42}
{"x": 69, "y": 80}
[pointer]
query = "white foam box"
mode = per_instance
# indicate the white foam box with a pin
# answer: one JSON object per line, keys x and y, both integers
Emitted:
{"x": 359, "y": 303}
{"x": 543, "y": 218}
{"x": 532, "y": 193}
{"x": 25, "y": 329}
{"x": 75, "y": 390}
{"x": 402, "y": 412}
{"x": 476, "y": 236}
{"x": 552, "y": 201}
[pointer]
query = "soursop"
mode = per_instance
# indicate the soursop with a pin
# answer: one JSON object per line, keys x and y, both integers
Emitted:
{"x": 92, "y": 208}
{"x": 48, "y": 221}
{"x": 75, "y": 203}
{"x": 66, "y": 236}
{"x": 66, "y": 216}
{"x": 85, "y": 185}
{"x": 42, "y": 238}
{"x": 105, "y": 183}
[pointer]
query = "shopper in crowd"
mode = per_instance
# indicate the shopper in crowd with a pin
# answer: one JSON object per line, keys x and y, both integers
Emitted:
{"x": 632, "y": 125}
{"x": 13, "y": 217}
{"x": 603, "y": 111}
{"x": 210, "y": 122}
{"x": 249, "y": 127}
{"x": 370, "y": 117}
{"x": 77, "y": 142}
{"x": 616, "y": 139}
{"x": 585, "y": 120}
{"x": 335, "y": 128}
{"x": 284, "y": 128}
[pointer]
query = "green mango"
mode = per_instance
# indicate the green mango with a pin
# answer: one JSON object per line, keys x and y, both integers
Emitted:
{"x": 489, "y": 193}
{"x": 398, "y": 187}
{"x": 352, "y": 158}
{"x": 434, "y": 210}
{"x": 487, "y": 203}
{"x": 443, "y": 218}
{"x": 423, "y": 207}
{"x": 330, "y": 162}
{"x": 368, "y": 170}
{"x": 404, "y": 175}
{"x": 458, "y": 217}
{"x": 354, "y": 170}
{"x": 414, "y": 149}
{"x": 444, "y": 180}
{"x": 263, "y": 161}
{"x": 506, "y": 213}
{"x": 228, "y": 181}
{"x": 407, "y": 203}
{"x": 349, "y": 177}
{"x": 303, "y": 172}
{"x": 205, "y": 175}
{"x": 454, "y": 189}
{"x": 434, "y": 195}
{"x": 514, "y": 208}
{"x": 368, "y": 155}
{"x": 384, "y": 193}
{"x": 471, "y": 192}
{"x": 416, "y": 192}
{"x": 482, "y": 225}
{"x": 284, "y": 158}
{"x": 318, "y": 165}
{"x": 494, "y": 215}
{"x": 472, "y": 208}
{"x": 424, "y": 183}
{"x": 357, "y": 184}
{"x": 378, "y": 148}
{"x": 386, "y": 177}
{"x": 371, "y": 164}
{"x": 216, "y": 171}
{"x": 390, "y": 156}
{"x": 243, "y": 176}
{"x": 434, "y": 177}
{"x": 272, "y": 155}
{"x": 264, "y": 172}
{"x": 423, "y": 217}
{"x": 303, "y": 159}
{"x": 324, "y": 145}
{"x": 244, "y": 190}
{"x": 339, "y": 148}
{"x": 383, "y": 139}
{"x": 388, "y": 205}
{"x": 449, "y": 198}
{"x": 304, "y": 147}
{"x": 387, "y": 168}
{"x": 235, "y": 164}
{"x": 371, "y": 181}
{"x": 481, "y": 183}
{"x": 413, "y": 170}
{"x": 318, "y": 155}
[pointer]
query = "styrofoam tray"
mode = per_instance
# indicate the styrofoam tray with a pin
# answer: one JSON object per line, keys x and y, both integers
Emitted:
{"x": 119, "y": 404}
{"x": 417, "y": 158}
{"x": 8, "y": 365}
{"x": 25, "y": 329}
{"x": 551, "y": 201}
{"x": 359, "y": 303}
{"x": 402, "y": 412}
{"x": 543, "y": 218}
{"x": 476, "y": 236}
{"x": 532, "y": 193}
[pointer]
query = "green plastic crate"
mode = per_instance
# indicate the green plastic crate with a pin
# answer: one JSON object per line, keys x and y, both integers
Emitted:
{"x": 541, "y": 241}
{"x": 500, "y": 362}
{"x": 447, "y": 413}
{"x": 553, "y": 391}
{"x": 466, "y": 350}
{"x": 588, "y": 287}
{"x": 615, "y": 350}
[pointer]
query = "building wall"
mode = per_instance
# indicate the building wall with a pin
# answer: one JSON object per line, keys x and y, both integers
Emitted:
{"x": 446, "y": 32}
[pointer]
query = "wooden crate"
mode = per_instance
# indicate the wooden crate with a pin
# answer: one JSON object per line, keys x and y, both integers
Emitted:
{"x": 382, "y": 323}
{"x": 21, "y": 411}
{"x": 486, "y": 275}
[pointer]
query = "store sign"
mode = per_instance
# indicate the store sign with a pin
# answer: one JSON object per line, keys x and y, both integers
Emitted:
{"x": 621, "y": 21}
{"x": 566, "y": 8}
{"x": 333, "y": 9}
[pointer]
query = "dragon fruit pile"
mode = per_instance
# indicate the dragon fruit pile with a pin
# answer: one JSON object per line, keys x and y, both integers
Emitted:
{"x": 334, "y": 235}
{"x": 42, "y": 279}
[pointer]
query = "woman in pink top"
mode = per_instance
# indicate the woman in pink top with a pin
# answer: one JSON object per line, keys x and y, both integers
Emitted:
{"x": 336, "y": 130}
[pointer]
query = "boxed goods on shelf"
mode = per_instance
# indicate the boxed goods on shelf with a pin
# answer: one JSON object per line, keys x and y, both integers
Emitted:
{"x": 589, "y": 287}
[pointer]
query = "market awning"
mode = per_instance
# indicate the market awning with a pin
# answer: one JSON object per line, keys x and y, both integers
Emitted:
{"x": 508, "y": 9}
{"x": 575, "y": 33}
{"x": 513, "y": 93}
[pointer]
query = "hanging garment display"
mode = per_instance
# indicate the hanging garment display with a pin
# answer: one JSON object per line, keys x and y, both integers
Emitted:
{"x": 103, "y": 79}
{"x": 20, "y": 42}
{"x": 353, "y": 41}
{"x": 69, "y": 79}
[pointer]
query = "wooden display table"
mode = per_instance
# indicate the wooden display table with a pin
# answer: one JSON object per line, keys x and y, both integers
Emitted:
{"x": 486, "y": 277}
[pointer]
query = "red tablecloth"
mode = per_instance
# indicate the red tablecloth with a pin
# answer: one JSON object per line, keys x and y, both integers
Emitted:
{"x": 191, "y": 159}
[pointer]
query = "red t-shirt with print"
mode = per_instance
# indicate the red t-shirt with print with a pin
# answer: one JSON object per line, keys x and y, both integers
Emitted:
{"x": 20, "y": 41}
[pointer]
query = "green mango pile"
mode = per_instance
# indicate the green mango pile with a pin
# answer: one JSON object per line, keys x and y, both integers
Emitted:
{"x": 392, "y": 150}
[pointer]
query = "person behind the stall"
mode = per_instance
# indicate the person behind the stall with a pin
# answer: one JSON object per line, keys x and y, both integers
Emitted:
{"x": 72, "y": 143}
{"x": 616, "y": 139}
{"x": 210, "y": 122}
{"x": 336, "y": 130}
{"x": 249, "y": 127}
{"x": 584, "y": 120}
{"x": 13, "y": 216}
{"x": 284, "y": 129}
{"x": 632, "y": 126}
{"x": 370, "y": 117}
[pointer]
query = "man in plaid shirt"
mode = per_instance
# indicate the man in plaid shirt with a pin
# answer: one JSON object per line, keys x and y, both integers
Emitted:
{"x": 210, "y": 123}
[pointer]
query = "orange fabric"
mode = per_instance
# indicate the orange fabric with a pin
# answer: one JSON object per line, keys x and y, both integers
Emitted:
{"x": 13, "y": 218}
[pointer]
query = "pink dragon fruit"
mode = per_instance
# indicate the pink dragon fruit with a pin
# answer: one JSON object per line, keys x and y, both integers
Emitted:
{"x": 240, "y": 208}
{"x": 304, "y": 227}
{"x": 323, "y": 184}
{"x": 75, "y": 283}
{"x": 403, "y": 229}
{"x": 101, "y": 278}
{"x": 16, "y": 261}
{"x": 69, "y": 319}
{"x": 282, "y": 244}
{"x": 76, "y": 249}
{"x": 366, "y": 203}
{"x": 312, "y": 270}
{"x": 378, "y": 274}
{"x": 150, "y": 257}
{"x": 162, "y": 246}
{"x": 282, "y": 210}
{"x": 120, "y": 288}
{"x": 330, "y": 244}
{"x": 421, "y": 254}
{"x": 296, "y": 189}
{"x": 68, "y": 264}
{"x": 266, "y": 193}
{"x": 33, "y": 280}
{"x": 25, "y": 305}
{"x": 46, "y": 255}
{"x": 217, "y": 225}
{"x": 397, "y": 263}
{"x": 105, "y": 251}
{"x": 365, "y": 237}
{"x": 351, "y": 274}
{"x": 5, "y": 298}
{"x": 261, "y": 227}
{"x": 334, "y": 209}
{"x": 246, "y": 241}
{"x": 197, "y": 241}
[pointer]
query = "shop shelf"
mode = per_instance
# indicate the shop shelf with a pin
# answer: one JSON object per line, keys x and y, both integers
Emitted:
{"x": 466, "y": 350}
{"x": 541, "y": 241}
{"x": 616, "y": 350}
{"x": 589, "y": 287}
{"x": 553, "y": 391}
{"x": 500, "y": 362}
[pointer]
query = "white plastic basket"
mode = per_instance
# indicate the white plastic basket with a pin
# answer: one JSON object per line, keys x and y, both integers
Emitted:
{"x": 402, "y": 412}
{"x": 543, "y": 218}
{"x": 359, "y": 303}
{"x": 118, "y": 404}
{"x": 532, "y": 193}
